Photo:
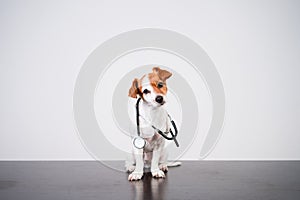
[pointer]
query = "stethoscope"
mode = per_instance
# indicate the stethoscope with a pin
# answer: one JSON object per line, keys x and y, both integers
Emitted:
{"x": 140, "y": 142}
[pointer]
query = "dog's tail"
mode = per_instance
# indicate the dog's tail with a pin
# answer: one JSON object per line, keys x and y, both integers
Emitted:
{"x": 174, "y": 164}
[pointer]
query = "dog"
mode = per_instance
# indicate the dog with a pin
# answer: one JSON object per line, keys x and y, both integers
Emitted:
{"x": 152, "y": 89}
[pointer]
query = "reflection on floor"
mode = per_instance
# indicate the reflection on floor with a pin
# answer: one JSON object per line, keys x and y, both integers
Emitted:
{"x": 193, "y": 180}
{"x": 149, "y": 188}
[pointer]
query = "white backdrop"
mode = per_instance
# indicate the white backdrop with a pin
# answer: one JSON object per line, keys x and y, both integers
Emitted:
{"x": 254, "y": 45}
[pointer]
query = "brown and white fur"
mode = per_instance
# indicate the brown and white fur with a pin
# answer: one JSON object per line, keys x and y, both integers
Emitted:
{"x": 152, "y": 111}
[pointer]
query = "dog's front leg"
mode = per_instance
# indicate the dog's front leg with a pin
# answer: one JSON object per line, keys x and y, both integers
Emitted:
{"x": 137, "y": 174}
{"x": 156, "y": 172}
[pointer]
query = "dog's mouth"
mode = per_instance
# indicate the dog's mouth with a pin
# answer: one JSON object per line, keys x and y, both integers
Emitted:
{"x": 162, "y": 103}
{"x": 154, "y": 103}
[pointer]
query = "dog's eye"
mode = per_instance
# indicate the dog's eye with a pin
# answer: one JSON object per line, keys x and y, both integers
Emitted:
{"x": 146, "y": 91}
{"x": 160, "y": 84}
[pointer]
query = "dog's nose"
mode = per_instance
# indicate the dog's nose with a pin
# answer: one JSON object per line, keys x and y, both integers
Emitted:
{"x": 159, "y": 99}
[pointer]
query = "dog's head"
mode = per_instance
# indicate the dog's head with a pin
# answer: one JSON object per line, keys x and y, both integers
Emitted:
{"x": 152, "y": 87}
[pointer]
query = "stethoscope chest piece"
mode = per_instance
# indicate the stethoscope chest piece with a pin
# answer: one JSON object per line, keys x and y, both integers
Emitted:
{"x": 139, "y": 142}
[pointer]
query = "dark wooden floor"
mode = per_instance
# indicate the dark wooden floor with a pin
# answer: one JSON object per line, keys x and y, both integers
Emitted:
{"x": 193, "y": 180}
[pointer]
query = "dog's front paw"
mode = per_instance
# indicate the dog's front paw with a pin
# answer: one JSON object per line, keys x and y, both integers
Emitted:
{"x": 158, "y": 173}
{"x": 135, "y": 176}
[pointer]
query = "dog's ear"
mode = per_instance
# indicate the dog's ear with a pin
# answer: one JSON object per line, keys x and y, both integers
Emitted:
{"x": 133, "y": 90}
{"x": 162, "y": 74}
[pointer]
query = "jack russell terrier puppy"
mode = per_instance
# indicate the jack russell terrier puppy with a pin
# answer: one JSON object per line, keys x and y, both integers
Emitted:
{"x": 151, "y": 118}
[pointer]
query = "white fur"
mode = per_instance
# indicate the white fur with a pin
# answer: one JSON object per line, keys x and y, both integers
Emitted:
{"x": 154, "y": 154}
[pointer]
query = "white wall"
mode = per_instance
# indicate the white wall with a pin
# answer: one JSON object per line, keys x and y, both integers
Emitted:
{"x": 254, "y": 45}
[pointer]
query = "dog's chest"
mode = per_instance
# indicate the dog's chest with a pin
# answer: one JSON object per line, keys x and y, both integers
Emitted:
{"x": 152, "y": 117}
{"x": 154, "y": 143}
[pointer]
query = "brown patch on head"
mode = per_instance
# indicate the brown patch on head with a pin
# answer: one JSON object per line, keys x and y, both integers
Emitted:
{"x": 133, "y": 91}
{"x": 159, "y": 75}
{"x": 162, "y": 74}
